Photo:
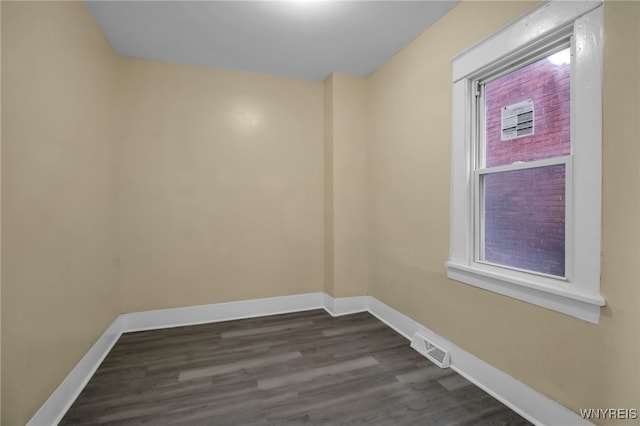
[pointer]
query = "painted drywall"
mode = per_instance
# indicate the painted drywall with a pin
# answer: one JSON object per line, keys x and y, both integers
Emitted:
{"x": 59, "y": 278}
{"x": 619, "y": 334}
{"x": 578, "y": 364}
{"x": 0, "y": 225}
{"x": 327, "y": 110}
{"x": 220, "y": 186}
{"x": 346, "y": 182}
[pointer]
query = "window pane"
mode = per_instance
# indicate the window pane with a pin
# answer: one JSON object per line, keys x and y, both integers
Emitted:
{"x": 524, "y": 219}
{"x": 527, "y": 112}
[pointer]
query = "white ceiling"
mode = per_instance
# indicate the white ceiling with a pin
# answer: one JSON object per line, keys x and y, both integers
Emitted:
{"x": 299, "y": 39}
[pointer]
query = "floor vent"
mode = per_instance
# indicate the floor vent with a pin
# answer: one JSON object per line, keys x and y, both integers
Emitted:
{"x": 436, "y": 354}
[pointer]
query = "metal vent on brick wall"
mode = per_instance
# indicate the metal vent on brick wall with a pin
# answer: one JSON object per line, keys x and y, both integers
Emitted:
{"x": 433, "y": 352}
{"x": 517, "y": 120}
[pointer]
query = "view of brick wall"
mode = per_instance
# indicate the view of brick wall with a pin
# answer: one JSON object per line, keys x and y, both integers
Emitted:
{"x": 524, "y": 222}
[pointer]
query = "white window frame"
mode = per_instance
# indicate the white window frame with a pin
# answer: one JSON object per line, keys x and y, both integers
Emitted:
{"x": 578, "y": 293}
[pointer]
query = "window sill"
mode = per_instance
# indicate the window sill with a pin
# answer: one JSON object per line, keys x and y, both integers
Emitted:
{"x": 564, "y": 300}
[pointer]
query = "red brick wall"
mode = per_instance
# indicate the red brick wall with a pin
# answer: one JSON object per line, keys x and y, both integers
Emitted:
{"x": 548, "y": 86}
{"x": 525, "y": 210}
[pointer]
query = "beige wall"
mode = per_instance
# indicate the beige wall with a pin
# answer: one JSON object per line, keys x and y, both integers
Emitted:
{"x": 220, "y": 186}
{"x": 0, "y": 227}
{"x": 346, "y": 224}
{"x": 59, "y": 282}
{"x": 327, "y": 91}
{"x": 620, "y": 330}
{"x": 574, "y": 362}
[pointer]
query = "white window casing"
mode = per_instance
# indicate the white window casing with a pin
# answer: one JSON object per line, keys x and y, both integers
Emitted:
{"x": 577, "y": 294}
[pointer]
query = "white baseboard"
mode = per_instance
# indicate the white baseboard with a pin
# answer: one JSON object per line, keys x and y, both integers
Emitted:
{"x": 529, "y": 403}
{"x": 202, "y": 314}
{"x": 66, "y": 393}
{"x": 54, "y": 409}
{"x": 345, "y": 305}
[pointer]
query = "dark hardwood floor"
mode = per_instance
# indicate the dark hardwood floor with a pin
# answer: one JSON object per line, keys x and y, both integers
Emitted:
{"x": 300, "y": 368}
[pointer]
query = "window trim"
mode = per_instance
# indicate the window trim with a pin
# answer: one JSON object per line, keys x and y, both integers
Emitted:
{"x": 538, "y": 31}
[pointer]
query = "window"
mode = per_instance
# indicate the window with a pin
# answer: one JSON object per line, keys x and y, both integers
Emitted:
{"x": 526, "y": 160}
{"x": 520, "y": 172}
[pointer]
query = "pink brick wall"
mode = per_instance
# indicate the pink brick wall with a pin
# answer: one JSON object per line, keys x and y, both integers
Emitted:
{"x": 525, "y": 210}
{"x": 548, "y": 86}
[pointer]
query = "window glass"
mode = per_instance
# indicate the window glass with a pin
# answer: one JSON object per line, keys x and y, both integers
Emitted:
{"x": 527, "y": 112}
{"x": 524, "y": 219}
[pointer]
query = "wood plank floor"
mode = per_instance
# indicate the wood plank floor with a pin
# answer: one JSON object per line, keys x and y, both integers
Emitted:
{"x": 300, "y": 368}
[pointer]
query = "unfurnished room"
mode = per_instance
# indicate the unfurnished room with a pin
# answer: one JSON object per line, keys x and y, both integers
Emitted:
{"x": 320, "y": 212}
